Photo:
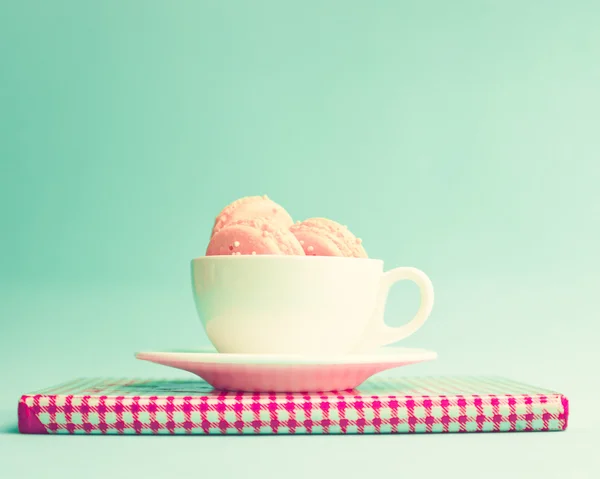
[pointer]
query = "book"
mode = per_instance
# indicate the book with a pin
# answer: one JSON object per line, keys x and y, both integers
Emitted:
{"x": 380, "y": 406}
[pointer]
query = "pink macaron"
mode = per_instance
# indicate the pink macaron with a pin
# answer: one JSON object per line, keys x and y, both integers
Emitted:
{"x": 256, "y": 236}
{"x": 324, "y": 237}
{"x": 252, "y": 207}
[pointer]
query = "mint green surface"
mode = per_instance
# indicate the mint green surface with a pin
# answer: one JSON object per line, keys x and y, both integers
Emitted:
{"x": 458, "y": 137}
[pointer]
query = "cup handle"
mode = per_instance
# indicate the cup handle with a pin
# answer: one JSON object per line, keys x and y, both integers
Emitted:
{"x": 380, "y": 334}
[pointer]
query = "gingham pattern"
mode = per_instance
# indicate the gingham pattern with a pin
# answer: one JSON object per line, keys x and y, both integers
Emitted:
{"x": 407, "y": 405}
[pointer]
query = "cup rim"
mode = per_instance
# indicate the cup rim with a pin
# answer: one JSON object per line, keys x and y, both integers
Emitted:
{"x": 282, "y": 257}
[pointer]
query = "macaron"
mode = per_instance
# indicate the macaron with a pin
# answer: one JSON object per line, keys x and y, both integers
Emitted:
{"x": 256, "y": 236}
{"x": 324, "y": 237}
{"x": 252, "y": 207}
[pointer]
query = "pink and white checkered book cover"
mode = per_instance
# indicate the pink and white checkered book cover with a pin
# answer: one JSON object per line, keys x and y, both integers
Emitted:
{"x": 392, "y": 405}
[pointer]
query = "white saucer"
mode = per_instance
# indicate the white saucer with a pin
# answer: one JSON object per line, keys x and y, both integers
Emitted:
{"x": 287, "y": 373}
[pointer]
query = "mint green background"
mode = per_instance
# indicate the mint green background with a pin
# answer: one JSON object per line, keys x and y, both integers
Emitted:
{"x": 458, "y": 137}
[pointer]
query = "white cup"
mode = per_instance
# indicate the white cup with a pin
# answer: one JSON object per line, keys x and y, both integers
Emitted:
{"x": 300, "y": 304}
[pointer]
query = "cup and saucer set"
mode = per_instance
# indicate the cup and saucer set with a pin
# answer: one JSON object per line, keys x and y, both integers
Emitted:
{"x": 297, "y": 323}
